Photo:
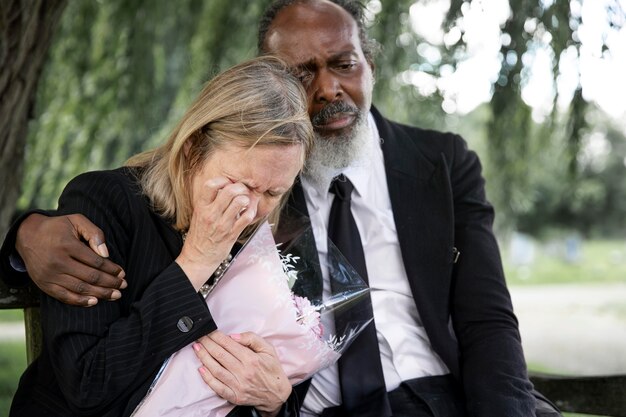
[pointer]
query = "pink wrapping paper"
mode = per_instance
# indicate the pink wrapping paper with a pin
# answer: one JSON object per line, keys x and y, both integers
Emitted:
{"x": 252, "y": 296}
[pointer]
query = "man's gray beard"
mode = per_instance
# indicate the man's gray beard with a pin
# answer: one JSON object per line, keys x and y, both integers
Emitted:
{"x": 330, "y": 156}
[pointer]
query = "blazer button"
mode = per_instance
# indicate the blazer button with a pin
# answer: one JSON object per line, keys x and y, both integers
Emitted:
{"x": 184, "y": 324}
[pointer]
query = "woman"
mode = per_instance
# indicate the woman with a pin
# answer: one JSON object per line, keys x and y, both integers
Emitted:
{"x": 171, "y": 216}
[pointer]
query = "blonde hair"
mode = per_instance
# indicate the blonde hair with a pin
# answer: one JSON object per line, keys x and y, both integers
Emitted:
{"x": 258, "y": 102}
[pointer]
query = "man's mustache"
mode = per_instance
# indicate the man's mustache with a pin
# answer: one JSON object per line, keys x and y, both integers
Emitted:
{"x": 332, "y": 109}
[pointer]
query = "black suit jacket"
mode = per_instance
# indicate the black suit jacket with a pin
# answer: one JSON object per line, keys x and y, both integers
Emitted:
{"x": 100, "y": 361}
{"x": 438, "y": 200}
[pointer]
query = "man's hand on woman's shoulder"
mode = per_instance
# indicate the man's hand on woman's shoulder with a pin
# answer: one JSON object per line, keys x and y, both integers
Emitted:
{"x": 62, "y": 265}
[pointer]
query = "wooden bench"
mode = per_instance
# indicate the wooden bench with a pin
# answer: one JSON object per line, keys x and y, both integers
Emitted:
{"x": 26, "y": 299}
{"x": 595, "y": 395}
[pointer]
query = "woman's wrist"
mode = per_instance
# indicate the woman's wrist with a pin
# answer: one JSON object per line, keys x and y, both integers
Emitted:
{"x": 275, "y": 412}
{"x": 268, "y": 413}
{"x": 197, "y": 272}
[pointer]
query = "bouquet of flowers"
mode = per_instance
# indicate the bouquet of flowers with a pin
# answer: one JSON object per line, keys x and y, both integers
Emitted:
{"x": 275, "y": 292}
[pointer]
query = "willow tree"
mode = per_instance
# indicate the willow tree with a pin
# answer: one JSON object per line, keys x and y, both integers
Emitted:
{"x": 517, "y": 148}
{"x": 121, "y": 72}
{"x": 26, "y": 28}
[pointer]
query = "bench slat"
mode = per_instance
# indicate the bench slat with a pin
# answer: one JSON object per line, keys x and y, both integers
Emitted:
{"x": 603, "y": 395}
{"x": 12, "y": 298}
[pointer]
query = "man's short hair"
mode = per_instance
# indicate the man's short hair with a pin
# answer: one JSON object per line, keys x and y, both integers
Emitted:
{"x": 355, "y": 8}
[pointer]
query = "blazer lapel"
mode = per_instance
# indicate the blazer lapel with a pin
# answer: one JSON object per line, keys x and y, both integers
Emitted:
{"x": 421, "y": 201}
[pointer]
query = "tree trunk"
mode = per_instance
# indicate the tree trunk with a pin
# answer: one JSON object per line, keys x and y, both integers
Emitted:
{"x": 26, "y": 29}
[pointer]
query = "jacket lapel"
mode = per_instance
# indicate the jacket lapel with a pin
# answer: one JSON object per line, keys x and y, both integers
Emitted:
{"x": 421, "y": 201}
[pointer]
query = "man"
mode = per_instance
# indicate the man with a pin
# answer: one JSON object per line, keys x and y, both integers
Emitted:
{"x": 447, "y": 339}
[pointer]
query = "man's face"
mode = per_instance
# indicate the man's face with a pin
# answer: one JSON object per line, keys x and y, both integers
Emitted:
{"x": 321, "y": 41}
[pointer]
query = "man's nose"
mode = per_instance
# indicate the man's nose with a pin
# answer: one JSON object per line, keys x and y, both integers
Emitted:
{"x": 326, "y": 87}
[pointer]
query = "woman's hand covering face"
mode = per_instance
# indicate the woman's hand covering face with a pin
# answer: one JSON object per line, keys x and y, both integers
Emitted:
{"x": 234, "y": 187}
{"x": 222, "y": 210}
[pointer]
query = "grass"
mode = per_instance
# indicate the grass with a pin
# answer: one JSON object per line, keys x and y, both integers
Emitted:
{"x": 12, "y": 364}
{"x": 10, "y": 316}
{"x": 597, "y": 261}
{"x": 12, "y": 361}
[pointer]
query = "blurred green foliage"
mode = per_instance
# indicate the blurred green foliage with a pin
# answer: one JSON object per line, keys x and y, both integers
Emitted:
{"x": 120, "y": 74}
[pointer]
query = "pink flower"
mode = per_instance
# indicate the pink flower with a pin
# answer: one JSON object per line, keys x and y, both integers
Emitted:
{"x": 307, "y": 315}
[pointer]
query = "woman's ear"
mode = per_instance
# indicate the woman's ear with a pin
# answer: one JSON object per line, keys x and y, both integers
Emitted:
{"x": 187, "y": 147}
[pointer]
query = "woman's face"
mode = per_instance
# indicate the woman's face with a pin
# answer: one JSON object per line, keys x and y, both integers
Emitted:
{"x": 266, "y": 171}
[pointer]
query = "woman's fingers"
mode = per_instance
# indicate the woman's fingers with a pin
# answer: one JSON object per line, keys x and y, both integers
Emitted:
{"x": 220, "y": 215}
{"x": 210, "y": 189}
{"x": 223, "y": 350}
{"x": 220, "y": 368}
{"x": 243, "y": 369}
{"x": 218, "y": 194}
{"x": 254, "y": 342}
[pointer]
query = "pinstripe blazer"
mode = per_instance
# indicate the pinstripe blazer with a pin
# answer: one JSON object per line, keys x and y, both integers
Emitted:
{"x": 100, "y": 361}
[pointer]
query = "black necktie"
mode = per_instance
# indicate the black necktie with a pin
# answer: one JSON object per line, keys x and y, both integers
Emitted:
{"x": 360, "y": 371}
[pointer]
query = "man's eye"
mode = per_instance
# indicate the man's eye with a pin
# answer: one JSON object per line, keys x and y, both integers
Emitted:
{"x": 344, "y": 66}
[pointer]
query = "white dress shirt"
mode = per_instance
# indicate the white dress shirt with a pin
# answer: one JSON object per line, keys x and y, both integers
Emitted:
{"x": 405, "y": 350}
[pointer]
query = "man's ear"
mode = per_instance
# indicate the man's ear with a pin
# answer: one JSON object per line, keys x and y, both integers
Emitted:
{"x": 372, "y": 68}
